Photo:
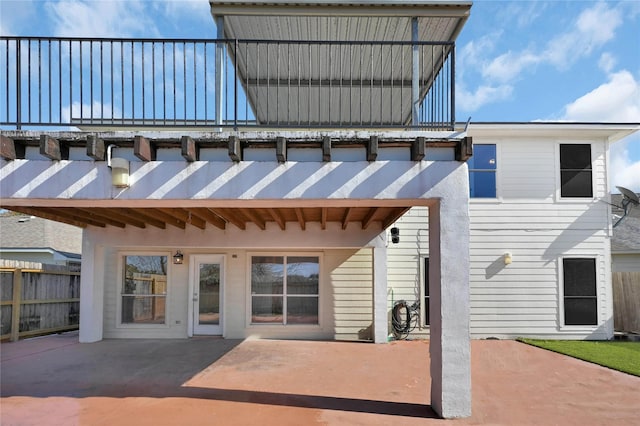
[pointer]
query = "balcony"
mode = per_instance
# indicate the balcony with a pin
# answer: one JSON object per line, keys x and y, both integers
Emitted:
{"x": 240, "y": 84}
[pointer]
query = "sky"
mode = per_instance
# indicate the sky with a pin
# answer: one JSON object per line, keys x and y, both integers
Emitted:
{"x": 515, "y": 60}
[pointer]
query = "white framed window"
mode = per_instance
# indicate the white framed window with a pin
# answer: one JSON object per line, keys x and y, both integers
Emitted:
{"x": 285, "y": 289}
{"x": 576, "y": 170}
{"x": 142, "y": 298}
{"x": 579, "y": 292}
{"x": 482, "y": 171}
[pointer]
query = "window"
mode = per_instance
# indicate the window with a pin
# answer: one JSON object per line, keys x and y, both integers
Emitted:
{"x": 580, "y": 300}
{"x": 144, "y": 290}
{"x": 284, "y": 289}
{"x": 482, "y": 171}
{"x": 575, "y": 170}
{"x": 426, "y": 291}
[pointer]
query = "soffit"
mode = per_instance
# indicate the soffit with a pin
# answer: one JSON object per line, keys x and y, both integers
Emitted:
{"x": 218, "y": 217}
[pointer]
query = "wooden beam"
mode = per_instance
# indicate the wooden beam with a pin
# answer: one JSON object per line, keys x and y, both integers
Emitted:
{"x": 53, "y": 149}
{"x": 464, "y": 149}
{"x": 185, "y": 216}
{"x": 72, "y": 214}
{"x": 347, "y": 216}
{"x": 281, "y": 149}
{"x": 107, "y": 218}
{"x": 323, "y": 219}
{"x": 210, "y": 217}
{"x": 7, "y": 148}
{"x": 372, "y": 148}
{"x": 144, "y": 149}
{"x": 95, "y": 148}
{"x": 166, "y": 218}
{"x": 230, "y": 217}
{"x": 393, "y": 216}
{"x": 189, "y": 149}
{"x": 278, "y": 218}
{"x": 300, "y": 216}
{"x": 141, "y": 216}
{"x": 15, "y": 308}
{"x": 368, "y": 218}
{"x": 255, "y": 218}
{"x": 326, "y": 148}
{"x": 119, "y": 215}
{"x": 235, "y": 150}
{"x": 417, "y": 149}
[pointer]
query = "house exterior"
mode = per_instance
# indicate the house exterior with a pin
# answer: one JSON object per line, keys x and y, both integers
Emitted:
{"x": 34, "y": 239}
{"x": 260, "y": 189}
{"x": 521, "y": 205}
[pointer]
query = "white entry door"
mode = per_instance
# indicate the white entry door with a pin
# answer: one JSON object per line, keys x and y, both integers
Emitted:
{"x": 206, "y": 285}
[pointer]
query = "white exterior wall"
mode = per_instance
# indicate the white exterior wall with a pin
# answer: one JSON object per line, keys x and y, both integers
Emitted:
{"x": 529, "y": 220}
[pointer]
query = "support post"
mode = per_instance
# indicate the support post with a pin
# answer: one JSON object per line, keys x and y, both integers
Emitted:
{"x": 450, "y": 340}
{"x": 219, "y": 73}
{"x": 380, "y": 315}
{"x": 15, "y": 307}
{"x": 415, "y": 73}
{"x": 91, "y": 291}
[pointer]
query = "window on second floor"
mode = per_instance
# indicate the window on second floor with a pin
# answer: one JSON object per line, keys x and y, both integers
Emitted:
{"x": 575, "y": 171}
{"x": 482, "y": 171}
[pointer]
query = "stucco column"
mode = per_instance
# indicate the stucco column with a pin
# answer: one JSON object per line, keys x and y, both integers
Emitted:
{"x": 380, "y": 316}
{"x": 449, "y": 302}
{"x": 91, "y": 290}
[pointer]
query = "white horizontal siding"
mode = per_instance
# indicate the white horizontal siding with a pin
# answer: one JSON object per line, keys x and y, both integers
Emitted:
{"x": 352, "y": 293}
{"x": 530, "y": 221}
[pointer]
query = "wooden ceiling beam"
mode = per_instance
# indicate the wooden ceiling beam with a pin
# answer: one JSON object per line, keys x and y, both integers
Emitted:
{"x": 255, "y": 218}
{"x": 166, "y": 218}
{"x": 323, "y": 220}
{"x": 368, "y": 218}
{"x": 347, "y": 217}
{"x": 300, "y": 216}
{"x": 277, "y": 216}
{"x": 394, "y": 215}
{"x": 140, "y": 216}
{"x": 116, "y": 214}
{"x": 98, "y": 214}
{"x": 185, "y": 216}
{"x": 230, "y": 217}
{"x": 74, "y": 215}
{"x": 210, "y": 217}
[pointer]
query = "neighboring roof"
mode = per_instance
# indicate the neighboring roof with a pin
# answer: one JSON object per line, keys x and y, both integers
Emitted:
{"x": 21, "y": 232}
{"x": 371, "y": 21}
{"x": 626, "y": 235}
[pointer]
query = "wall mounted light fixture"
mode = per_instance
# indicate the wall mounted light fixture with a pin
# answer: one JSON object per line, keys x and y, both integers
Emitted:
{"x": 507, "y": 258}
{"x": 395, "y": 235}
{"x": 178, "y": 258}
{"x": 119, "y": 169}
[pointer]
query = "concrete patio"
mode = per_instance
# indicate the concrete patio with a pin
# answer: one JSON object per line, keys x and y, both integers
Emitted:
{"x": 57, "y": 381}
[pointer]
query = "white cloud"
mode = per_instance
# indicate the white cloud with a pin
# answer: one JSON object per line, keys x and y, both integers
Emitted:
{"x": 483, "y": 95}
{"x": 617, "y": 100}
{"x": 607, "y": 62}
{"x": 83, "y": 18}
{"x": 508, "y": 66}
{"x": 624, "y": 171}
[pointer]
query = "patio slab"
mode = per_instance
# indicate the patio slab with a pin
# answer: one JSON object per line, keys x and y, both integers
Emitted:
{"x": 57, "y": 381}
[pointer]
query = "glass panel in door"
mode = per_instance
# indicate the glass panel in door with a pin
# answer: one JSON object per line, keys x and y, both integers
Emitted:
{"x": 207, "y": 285}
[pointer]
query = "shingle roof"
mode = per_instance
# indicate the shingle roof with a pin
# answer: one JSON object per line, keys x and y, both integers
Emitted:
{"x": 21, "y": 231}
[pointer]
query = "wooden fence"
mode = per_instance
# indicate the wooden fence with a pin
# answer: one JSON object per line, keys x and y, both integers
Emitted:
{"x": 626, "y": 301}
{"x": 35, "y": 301}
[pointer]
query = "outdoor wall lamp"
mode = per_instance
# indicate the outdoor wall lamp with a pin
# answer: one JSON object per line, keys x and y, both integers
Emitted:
{"x": 119, "y": 169}
{"x": 507, "y": 258}
{"x": 395, "y": 235}
{"x": 178, "y": 258}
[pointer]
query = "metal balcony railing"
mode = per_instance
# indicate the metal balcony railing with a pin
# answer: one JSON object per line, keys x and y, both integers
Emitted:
{"x": 134, "y": 83}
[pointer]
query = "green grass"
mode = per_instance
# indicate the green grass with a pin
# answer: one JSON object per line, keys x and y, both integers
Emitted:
{"x": 621, "y": 356}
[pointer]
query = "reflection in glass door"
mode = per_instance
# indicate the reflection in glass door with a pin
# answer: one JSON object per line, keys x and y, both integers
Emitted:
{"x": 207, "y": 294}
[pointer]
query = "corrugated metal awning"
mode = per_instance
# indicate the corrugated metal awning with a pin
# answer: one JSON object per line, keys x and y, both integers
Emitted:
{"x": 372, "y": 81}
